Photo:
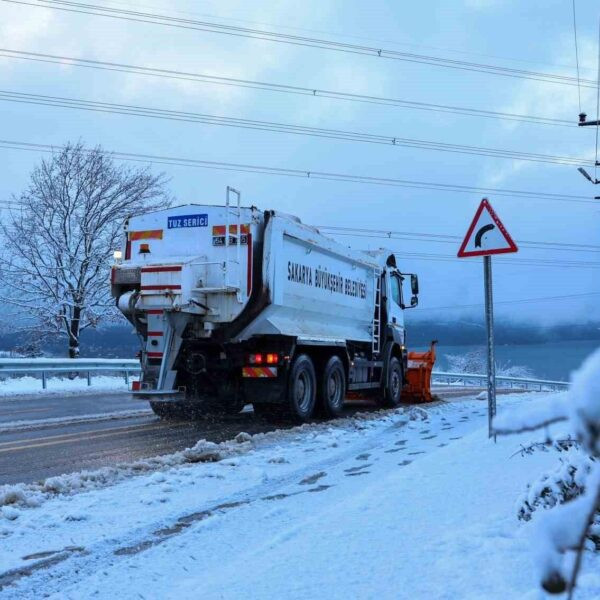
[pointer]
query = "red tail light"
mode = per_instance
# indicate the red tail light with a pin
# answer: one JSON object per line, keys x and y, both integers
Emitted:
{"x": 261, "y": 359}
{"x": 136, "y": 386}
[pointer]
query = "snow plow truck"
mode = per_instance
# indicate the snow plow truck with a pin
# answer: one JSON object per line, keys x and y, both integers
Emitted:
{"x": 238, "y": 306}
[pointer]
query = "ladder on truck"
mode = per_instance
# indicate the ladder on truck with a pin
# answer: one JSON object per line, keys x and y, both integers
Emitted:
{"x": 376, "y": 325}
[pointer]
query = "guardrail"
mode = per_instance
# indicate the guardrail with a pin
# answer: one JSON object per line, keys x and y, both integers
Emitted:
{"x": 478, "y": 379}
{"x": 45, "y": 366}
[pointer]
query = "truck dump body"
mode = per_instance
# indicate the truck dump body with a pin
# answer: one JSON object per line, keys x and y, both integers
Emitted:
{"x": 233, "y": 304}
{"x": 319, "y": 290}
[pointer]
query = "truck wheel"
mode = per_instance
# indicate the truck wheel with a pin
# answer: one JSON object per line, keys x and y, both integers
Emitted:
{"x": 301, "y": 389}
{"x": 332, "y": 390}
{"x": 392, "y": 392}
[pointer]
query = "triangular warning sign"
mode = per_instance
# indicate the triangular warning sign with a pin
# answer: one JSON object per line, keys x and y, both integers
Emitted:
{"x": 486, "y": 235}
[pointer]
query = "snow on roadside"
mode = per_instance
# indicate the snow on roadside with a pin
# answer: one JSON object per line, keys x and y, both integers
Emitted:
{"x": 408, "y": 504}
{"x": 26, "y": 385}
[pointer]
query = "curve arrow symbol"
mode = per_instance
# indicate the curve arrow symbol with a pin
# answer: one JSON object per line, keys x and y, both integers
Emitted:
{"x": 480, "y": 233}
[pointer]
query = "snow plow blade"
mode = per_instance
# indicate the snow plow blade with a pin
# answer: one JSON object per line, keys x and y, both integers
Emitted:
{"x": 418, "y": 376}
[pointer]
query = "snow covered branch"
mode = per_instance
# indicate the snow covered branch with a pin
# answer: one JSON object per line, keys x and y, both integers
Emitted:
{"x": 57, "y": 245}
{"x": 572, "y": 492}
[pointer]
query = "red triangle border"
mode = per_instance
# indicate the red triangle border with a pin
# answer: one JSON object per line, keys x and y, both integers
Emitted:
{"x": 512, "y": 246}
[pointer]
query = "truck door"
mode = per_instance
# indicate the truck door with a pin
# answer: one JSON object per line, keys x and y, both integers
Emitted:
{"x": 394, "y": 306}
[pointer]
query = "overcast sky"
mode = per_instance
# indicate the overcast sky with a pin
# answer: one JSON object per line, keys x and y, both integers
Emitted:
{"x": 532, "y": 36}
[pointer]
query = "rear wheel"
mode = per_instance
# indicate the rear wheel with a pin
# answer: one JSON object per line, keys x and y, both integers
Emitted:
{"x": 332, "y": 389}
{"x": 301, "y": 390}
{"x": 392, "y": 391}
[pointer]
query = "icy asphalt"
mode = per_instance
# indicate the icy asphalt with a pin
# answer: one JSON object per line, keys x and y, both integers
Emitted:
{"x": 42, "y": 435}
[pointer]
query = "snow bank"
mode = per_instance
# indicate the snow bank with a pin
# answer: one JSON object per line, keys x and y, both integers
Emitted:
{"x": 27, "y": 384}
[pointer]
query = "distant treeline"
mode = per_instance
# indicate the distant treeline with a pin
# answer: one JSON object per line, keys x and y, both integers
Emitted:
{"x": 457, "y": 333}
{"x": 120, "y": 342}
{"x": 109, "y": 342}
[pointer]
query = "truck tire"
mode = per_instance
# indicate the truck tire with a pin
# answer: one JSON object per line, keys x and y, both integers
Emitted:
{"x": 392, "y": 391}
{"x": 332, "y": 388}
{"x": 301, "y": 394}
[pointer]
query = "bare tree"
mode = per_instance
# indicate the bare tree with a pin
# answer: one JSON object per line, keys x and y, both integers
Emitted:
{"x": 57, "y": 245}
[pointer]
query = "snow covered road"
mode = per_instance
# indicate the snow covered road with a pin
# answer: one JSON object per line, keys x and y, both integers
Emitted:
{"x": 406, "y": 504}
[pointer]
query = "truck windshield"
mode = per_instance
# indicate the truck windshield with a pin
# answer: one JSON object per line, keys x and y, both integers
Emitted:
{"x": 396, "y": 294}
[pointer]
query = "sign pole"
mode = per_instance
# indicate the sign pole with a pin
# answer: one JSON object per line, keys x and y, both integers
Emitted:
{"x": 489, "y": 322}
{"x": 486, "y": 236}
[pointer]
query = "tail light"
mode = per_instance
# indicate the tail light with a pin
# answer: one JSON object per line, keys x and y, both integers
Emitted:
{"x": 136, "y": 386}
{"x": 263, "y": 359}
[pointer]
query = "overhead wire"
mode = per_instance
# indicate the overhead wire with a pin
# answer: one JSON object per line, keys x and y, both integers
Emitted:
{"x": 274, "y": 36}
{"x": 139, "y": 5}
{"x": 314, "y": 174}
{"x": 276, "y": 87}
{"x": 289, "y": 128}
{"x": 523, "y": 262}
{"x": 450, "y": 239}
{"x": 597, "y": 107}
{"x": 515, "y": 301}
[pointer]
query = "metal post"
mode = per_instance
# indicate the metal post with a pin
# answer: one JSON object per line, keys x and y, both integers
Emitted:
{"x": 226, "y": 236}
{"x": 44, "y": 382}
{"x": 126, "y": 377}
{"x": 489, "y": 322}
{"x": 238, "y": 194}
{"x": 89, "y": 378}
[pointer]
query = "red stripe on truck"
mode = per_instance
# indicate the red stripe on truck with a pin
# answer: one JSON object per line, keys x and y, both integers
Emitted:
{"x": 155, "y": 311}
{"x": 155, "y": 354}
{"x": 161, "y": 269}
{"x": 155, "y": 333}
{"x": 161, "y": 287}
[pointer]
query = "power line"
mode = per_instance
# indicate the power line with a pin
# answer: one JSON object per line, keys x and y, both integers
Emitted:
{"x": 296, "y": 40}
{"x": 341, "y": 35}
{"x": 449, "y": 239}
{"x": 521, "y": 262}
{"x": 275, "y": 127}
{"x": 516, "y": 301}
{"x": 310, "y": 174}
{"x": 597, "y": 106}
{"x": 281, "y": 88}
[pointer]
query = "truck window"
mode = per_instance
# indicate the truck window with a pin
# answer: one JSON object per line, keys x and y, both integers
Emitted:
{"x": 396, "y": 294}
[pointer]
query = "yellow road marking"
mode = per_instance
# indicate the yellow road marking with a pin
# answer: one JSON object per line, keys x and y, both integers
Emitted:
{"x": 69, "y": 439}
{"x": 25, "y": 410}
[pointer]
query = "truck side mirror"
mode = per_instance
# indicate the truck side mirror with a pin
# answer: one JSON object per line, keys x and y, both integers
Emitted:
{"x": 414, "y": 285}
{"x": 414, "y": 301}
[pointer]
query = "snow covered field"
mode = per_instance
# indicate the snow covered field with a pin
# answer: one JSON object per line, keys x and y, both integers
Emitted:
{"x": 407, "y": 504}
{"x": 16, "y": 386}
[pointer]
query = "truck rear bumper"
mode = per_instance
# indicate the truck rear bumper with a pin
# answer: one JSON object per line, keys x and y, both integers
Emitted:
{"x": 162, "y": 395}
